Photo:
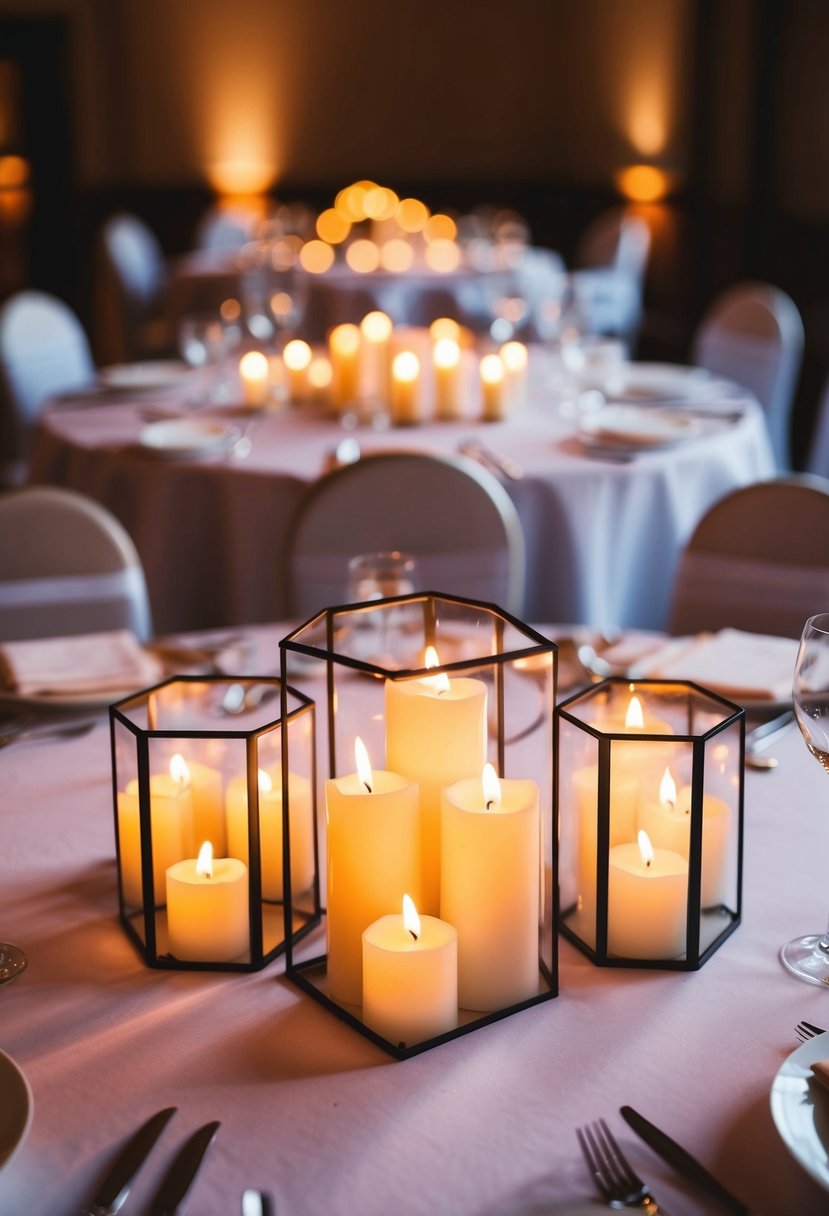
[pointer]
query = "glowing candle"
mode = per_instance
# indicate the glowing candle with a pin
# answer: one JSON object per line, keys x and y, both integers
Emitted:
{"x": 647, "y": 901}
{"x": 297, "y": 359}
{"x": 404, "y": 396}
{"x": 489, "y": 887}
{"x": 667, "y": 820}
{"x": 254, "y": 372}
{"x": 624, "y": 802}
{"x": 410, "y": 976}
{"x": 320, "y": 376}
{"x": 207, "y": 908}
{"x": 375, "y": 355}
{"x": 514, "y": 358}
{"x": 435, "y": 735}
{"x": 446, "y": 357}
{"x": 493, "y": 396}
{"x": 343, "y": 350}
{"x": 208, "y": 806}
{"x": 171, "y": 828}
{"x": 373, "y": 860}
{"x": 300, "y": 827}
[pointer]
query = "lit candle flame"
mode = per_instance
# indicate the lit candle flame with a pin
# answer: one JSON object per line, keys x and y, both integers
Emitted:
{"x": 363, "y": 764}
{"x": 492, "y": 787}
{"x": 667, "y": 789}
{"x": 411, "y": 920}
{"x": 204, "y": 864}
{"x": 440, "y": 682}
{"x": 265, "y": 783}
{"x": 179, "y": 771}
{"x": 634, "y": 718}
{"x": 645, "y": 847}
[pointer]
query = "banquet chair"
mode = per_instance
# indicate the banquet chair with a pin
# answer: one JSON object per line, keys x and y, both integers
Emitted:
{"x": 454, "y": 517}
{"x": 757, "y": 560}
{"x": 610, "y": 263}
{"x": 131, "y": 287}
{"x": 44, "y": 350}
{"x": 67, "y": 566}
{"x": 817, "y": 457}
{"x": 753, "y": 334}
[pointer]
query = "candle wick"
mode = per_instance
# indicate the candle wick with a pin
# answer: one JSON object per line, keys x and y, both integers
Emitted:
{"x": 414, "y": 935}
{"x": 648, "y": 862}
{"x": 490, "y": 803}
{"x": 368, "y": 787}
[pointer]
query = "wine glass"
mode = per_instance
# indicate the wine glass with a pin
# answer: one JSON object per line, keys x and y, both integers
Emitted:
{"x": 808, "y": 957}
{"x": 12, "y": 962}
{"x": 375, "y": 576}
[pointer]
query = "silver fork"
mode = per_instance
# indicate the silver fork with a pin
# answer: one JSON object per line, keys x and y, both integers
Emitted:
{"x": 806, "y": 1031}
{"x": 618, "y": 1185}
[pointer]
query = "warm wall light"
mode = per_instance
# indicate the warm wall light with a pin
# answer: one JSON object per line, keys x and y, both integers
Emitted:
{"x": 643, "y": 183}
{"x": 241, "y": 177}
{"x": 14, "y": 172}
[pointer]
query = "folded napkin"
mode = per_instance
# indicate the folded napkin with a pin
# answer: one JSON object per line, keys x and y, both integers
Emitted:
{"x": 738, "y": 665}
{"x": 89, "y": 662}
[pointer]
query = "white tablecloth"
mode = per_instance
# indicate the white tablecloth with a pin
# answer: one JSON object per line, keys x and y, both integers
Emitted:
{"x": 602, "y": 537}
{"x": 314, "y": 1113}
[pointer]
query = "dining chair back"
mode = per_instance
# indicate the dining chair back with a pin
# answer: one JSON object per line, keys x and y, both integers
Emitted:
{"x": 817, "y": 457}
{"x": 610, "y": 264}
{"x": 758, "y": 560}
{"x": 67, "y": 566}
{"x": 753, "y": 334}
{"x": 132, "y": 282}
{"x": 43, "y": 350}
{"x": 453, "y": 516}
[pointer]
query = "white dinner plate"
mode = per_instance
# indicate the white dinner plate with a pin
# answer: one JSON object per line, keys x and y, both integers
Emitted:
{"x": 148, "y": 376}
{"x": 630, "y": 426}
{"x": 800, "y": 1109}
{"x": 187, "y": 438}
{"x": 652, "y": 383}
{"x": 16, "y": 1108}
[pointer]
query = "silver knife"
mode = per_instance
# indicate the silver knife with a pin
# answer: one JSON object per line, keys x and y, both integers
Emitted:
{"x": 113, "y": 1191}
{"x": 681, "y": 1160}
{"x": 179, "y": 1177}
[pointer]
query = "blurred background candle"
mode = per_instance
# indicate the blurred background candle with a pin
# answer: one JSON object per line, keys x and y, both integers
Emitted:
{"x": 207, "y": 908}
{"x": 297, "y": 359}
{"x": 515, "y": 359}
{"x": 647, "y": 901}
{"x": 404, "y": 398}
{"x": 373, "y": 860}
{"x": 489, "y": 887}
{"x": 493, "y": 396}
{"x": 344, "y": 350}
{"x": 435, "y": 734}
{"x": 446, "y": 357}
{"x": 320, "y": 376}
{"x": 410, "y": 976}
{"x": 300, "y": 827}
{"x": 171, "y": 827}
{"x": 375, "y": 355}
{"x": 254, "y": 373}
{"x": 667, "y": 821}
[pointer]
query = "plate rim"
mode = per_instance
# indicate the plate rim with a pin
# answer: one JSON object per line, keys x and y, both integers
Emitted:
{"x": 215, "y": 436}
{"x": 175, "y": 370}
{"x": 804, "y": 1053}
{"x": 677, "y": 428}
{"x": 11, "y": 1066}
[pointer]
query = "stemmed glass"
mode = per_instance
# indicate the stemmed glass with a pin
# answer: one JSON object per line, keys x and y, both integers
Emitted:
{"x": 12, "y": 962}
{"x": 808, "y": 957}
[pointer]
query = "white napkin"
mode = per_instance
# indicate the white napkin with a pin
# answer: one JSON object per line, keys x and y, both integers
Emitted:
{"x": 89, "y": 662}
{"x": 741, "y": 666}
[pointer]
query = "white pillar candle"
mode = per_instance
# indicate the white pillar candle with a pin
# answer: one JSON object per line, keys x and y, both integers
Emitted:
{"x": 489, "y": 890}
{"x": 446, "y": 357}
{"x": 207, "y": 908}
{"x": 515, "y": 359}
{"x": 208, "y": 807}
{"x": 640, "y": 757}
{"x": 297, "y": 359}
{"x": 646, "y": 901}
{"x": 254, "y": 373}
{"x": 171, "y": 828}
{"x": 624, "y": 803}
{"x": 300, "y": 828}
{"x": 404, "y": 395}
{"x": 667, "y": 820}
{"x": 320, "y": 376}
{"x": 435, "y": 735}
{"x": 373, "y": 860}
{"x": 410, "y": 976}
{"x": 344, "y": 351}
{"x": 493, "y": 395}
{"x": 375, "y": 355}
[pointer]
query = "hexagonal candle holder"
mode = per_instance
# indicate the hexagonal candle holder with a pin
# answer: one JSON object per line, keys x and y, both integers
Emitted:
{"x": 439, "y": 718}
{"x": 650, "y": 804}
{"x": 216, "y": 839}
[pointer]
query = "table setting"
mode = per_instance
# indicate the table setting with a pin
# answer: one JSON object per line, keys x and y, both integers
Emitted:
{"x": 316, "y": 1113}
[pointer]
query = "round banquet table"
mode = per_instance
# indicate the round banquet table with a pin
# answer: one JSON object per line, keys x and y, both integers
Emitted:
{"x": 602, "y": 530}
{"x": 315, "y": 1114}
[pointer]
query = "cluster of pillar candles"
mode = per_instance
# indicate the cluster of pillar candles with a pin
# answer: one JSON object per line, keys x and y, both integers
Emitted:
{"x": 418, "y": 374}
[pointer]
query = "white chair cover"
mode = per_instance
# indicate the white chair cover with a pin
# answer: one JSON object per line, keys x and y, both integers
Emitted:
{"x": 91, "y": 603}
{"x": 456, "y": 519}
{"x": 130, "y": 291}
{"x": 753, "y": 334}
{"x": 609, "y": 280}
{"x": 817, "y": 460}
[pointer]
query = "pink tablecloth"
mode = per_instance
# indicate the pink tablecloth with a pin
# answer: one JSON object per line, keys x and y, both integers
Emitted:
{"x": 314, "y": 1113}
{"x": 602, "y": 537}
